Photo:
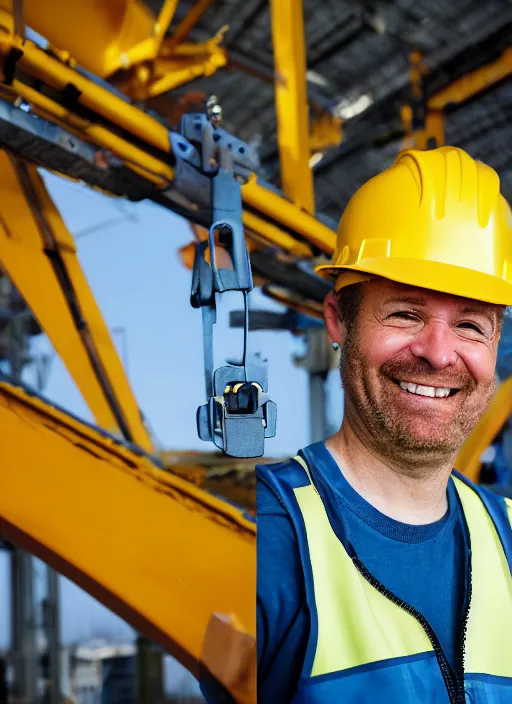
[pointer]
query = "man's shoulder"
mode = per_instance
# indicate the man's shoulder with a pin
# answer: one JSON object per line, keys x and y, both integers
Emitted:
{"x": 274, "y": 480}
{"x": 288, "y": 471}
{"x": 498, "y": 505}
{"x": 487, "y": 493}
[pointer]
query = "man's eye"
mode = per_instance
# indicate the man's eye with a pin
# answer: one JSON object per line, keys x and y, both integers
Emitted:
{"x": 404, "y": 315}
{"x": 470, "y": 326}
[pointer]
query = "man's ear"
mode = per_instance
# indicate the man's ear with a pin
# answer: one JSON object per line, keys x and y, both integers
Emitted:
{"x": 335, "y": 328}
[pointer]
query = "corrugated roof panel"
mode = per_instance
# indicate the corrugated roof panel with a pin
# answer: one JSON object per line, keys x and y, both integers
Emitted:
{"x": 357, "y": 49}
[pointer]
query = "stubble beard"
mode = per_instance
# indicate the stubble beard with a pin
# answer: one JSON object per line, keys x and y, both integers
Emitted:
{"x": 377, "y": 418}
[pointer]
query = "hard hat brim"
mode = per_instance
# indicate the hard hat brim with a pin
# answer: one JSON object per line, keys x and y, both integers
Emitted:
{"x": 436, "y": 276}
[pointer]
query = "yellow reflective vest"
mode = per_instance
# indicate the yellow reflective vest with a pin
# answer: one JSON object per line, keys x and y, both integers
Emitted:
{"x": 368, "y": 646}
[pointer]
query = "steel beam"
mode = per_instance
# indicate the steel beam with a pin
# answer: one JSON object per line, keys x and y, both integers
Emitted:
{"x": 468, "y": 461}
{"x": 288, "y": 39}
{"x": 187, "y": 24}
{"x": 135, "y": 122}
{"x": 104, "y": 102}
{"x": 271, "y": 204}
{"x": 161, "y": 553}
{"x": 155, "y": 171}
{"x": 473, "y": 83}
{"x": 256, "y": 195}
{"x": 24, "y": 650}
{"x": 38, "y": 253}
{"x": 52, "y": 627}
{"x": 95, "y": 34}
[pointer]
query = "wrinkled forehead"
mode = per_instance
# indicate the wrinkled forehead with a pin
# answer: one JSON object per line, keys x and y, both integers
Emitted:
{"x": 383, "y": 291}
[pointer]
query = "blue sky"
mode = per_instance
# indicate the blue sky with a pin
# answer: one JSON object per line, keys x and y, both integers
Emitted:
{"x": 134, "y": 271}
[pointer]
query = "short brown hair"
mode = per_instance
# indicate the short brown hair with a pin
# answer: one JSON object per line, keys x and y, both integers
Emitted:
{"x": 349, "y": 303}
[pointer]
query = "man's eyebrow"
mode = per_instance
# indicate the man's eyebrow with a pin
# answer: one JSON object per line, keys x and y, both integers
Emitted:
{"x": 476, "y": 308}
{"x": 413, "y": 300}
{"x": 492, "y": 315}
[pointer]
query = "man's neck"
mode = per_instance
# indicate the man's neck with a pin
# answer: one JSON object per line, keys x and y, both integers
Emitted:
{"x": 416, "y": 497}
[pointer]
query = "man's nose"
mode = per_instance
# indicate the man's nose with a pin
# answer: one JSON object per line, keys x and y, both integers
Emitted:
{"x": 436, "y": 345}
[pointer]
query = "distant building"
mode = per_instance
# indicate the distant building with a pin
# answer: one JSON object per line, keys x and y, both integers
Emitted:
{"x": 102, "y": 674}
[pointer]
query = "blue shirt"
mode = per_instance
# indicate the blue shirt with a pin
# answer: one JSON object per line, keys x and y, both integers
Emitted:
{"x": 423, "y": 565}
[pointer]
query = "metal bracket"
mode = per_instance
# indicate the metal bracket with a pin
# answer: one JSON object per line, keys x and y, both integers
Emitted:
{"x": 239, "y": 414}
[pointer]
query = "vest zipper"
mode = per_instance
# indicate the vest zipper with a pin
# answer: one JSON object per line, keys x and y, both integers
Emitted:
{"x": 462, "y": 644}
{"x": 454, "y": 682}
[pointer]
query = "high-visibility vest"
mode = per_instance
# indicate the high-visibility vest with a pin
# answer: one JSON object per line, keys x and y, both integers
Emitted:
{"x": 366, "y": 646}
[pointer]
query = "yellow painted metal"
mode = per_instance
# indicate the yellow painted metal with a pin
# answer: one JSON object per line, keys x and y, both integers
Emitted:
{"x": 188, "y": 23}
{"x": 230, "y": 655}
{"x": 173, "y": 67}
{"x": 162, "y": 174}
{"x": 417, "y": 69}
{"x": 274, "y": 236}
{"x": 474, "y": 82}
{"x": 40, "y": 65}
{"x": 469, "y": 462}
{"x": 32, "y": 233}
{"x": 325, "y": 132}
{"x": 166, "y": 74}
{"x": 458, "y": 91}
{"x": 152, "y": 547}
{"x": 149, "y": 47}
{"x": 289, "y": 215}
{"x": 259, "y": 233}
{"x": 292, "y": 300}
{"x": 135, "y": 158}
{"x": 96, "y": 34}
{"x": 288, "y": 40}
{"x": 178, "y": 76}
{"x": 433, "y": 131}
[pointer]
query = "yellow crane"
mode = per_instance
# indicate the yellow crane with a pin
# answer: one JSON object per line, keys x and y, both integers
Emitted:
{"x": 72, "y": 105}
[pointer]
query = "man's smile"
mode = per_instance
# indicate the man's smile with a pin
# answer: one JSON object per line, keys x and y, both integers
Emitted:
{"x": 426, "y": 391}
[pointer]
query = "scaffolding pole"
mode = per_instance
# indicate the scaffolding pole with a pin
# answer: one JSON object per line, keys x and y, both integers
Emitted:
{"x": 24, "y": 623}
{"x": 24, "y": 653}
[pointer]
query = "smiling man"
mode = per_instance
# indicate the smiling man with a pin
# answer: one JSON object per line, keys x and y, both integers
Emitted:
{"x": 383, "y": 575}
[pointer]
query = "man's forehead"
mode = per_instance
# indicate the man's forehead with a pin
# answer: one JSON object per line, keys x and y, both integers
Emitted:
{"x": 386, "y": 291}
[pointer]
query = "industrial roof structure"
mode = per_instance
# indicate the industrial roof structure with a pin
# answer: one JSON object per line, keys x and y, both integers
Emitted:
{"x": 358, "y": 67}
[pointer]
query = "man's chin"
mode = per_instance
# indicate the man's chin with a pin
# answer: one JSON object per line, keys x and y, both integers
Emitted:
{"x": 422, "y": 438}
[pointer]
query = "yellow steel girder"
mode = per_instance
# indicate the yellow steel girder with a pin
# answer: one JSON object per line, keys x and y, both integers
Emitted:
{"x": 137, "y": 123}
{"x": 101, "y": 36}
{"x": 433, "y": 130}
{"x": 54, "y": 73}
{"x": 292, "y": 102}
{"x": 288, "y": 214}
{"x": 188, "y": 23}
{"x": 154, "y": 170}
{"x": 458, "y": 91}
{"x": 39, "y": 255}
{"x": 469, "y": 459}
{"x": 160, "y": 552}
{"x": 473, "y": 82}
{"x": 325, "y": 132}
{"x": 173, "y": 68}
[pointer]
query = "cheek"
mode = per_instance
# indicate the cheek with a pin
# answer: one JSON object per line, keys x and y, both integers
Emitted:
{"x": 379, "y": 346}
{"x": 480, "y": 361}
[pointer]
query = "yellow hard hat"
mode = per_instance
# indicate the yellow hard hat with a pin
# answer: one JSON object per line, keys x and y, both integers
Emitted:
{"x": 435, "y": 219}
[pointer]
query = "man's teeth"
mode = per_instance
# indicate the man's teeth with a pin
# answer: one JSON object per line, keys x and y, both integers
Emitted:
{"x": 432, "y": 391}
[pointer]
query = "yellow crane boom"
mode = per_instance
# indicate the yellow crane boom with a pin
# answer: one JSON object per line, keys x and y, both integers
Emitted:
{"x": 154, "y": 548}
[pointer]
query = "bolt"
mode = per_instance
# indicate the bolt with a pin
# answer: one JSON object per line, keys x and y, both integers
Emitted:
{"x": 214, "y": 111}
